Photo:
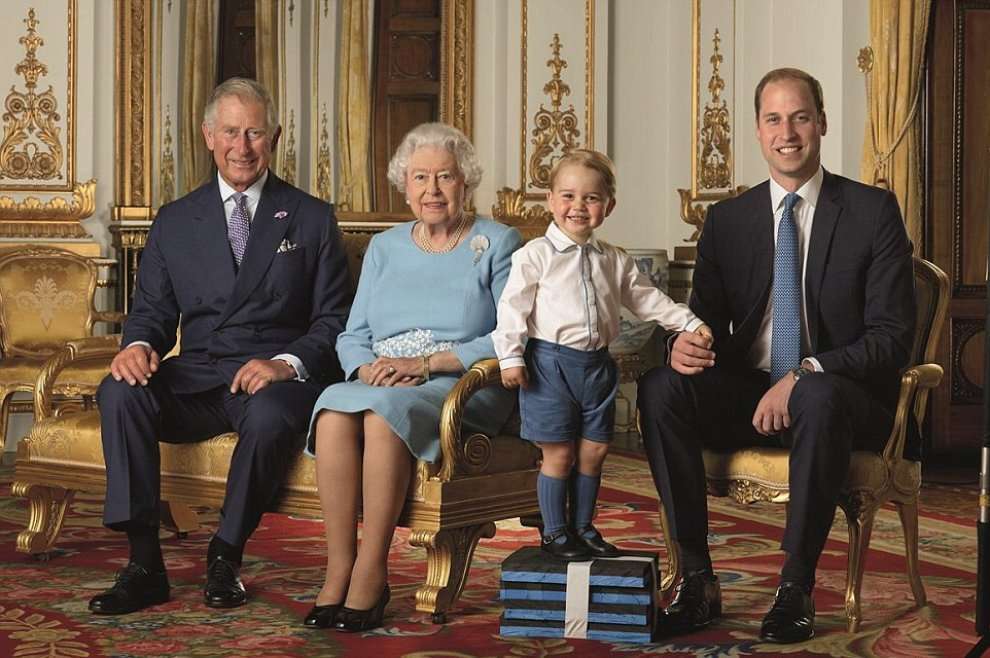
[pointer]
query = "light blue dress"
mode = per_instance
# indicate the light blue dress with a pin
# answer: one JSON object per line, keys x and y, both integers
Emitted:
{"x": 442, "y": 301}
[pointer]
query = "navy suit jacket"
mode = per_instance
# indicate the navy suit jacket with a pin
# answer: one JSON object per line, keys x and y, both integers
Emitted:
{"x": 859, "y": 282}
{"x": 293, "y": 301}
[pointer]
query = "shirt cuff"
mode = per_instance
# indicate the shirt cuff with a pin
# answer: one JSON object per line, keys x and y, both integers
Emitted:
{"x": 297, "y": 365}
{"x": 694, "y": 324}
{"x": 140, "y": 342}
{"x": 512, "y": 362}
{"x": 814, "y": 362}
{"x": 670, "y": 346}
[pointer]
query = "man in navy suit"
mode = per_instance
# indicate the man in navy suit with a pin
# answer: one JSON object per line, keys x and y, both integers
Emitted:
{"x": 851, "y": 327}
{"x": 255, "y": 272}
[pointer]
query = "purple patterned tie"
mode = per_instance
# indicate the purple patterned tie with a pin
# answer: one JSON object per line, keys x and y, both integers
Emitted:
{"x": 239, "y": 227}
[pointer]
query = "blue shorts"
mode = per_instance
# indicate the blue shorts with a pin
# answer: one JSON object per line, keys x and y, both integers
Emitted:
{"x": 571, "y": 394}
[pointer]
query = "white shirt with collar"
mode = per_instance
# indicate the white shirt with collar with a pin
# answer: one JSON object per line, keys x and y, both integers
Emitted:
{"x": 253, "y": 194}
{"x": 570, "y": 294}
{"x": 804, "y": 214}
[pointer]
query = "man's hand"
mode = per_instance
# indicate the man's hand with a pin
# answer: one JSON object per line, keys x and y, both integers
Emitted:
{"x": 771, "y": 415}
{"x": 256, "y": 374}
{"x": 515, "y": 377}
{"x": 135, "y": 364}
{"x": 691, "y": 352}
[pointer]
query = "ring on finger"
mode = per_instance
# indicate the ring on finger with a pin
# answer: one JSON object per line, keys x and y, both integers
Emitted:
{"x": 391, "y": 370}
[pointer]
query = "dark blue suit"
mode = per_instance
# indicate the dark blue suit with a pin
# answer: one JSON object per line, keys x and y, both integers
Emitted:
{"x": 291, "y": 301}
{"x": 859, "y": 296}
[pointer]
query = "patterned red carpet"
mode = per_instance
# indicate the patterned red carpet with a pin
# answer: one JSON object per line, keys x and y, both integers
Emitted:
{"x": 43, "y": 604}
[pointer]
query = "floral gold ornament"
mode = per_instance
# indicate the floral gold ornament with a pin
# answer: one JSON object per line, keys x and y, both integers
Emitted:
{"x": 166, "y": 185}
{"x": 57, "y": 210}
{"x": 556, "y": 131}
{"x": 511, "y": 209}
{"x": 323, "y": 181}
{"x": 716, "y": 132}
{"x": 31, "y": 148}
{"x": 46, "y": 300}
{"x": 289, "y": 156}
{"x": 865, "y": 59}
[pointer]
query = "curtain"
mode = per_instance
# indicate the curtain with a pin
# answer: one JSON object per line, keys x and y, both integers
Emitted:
{"x": 266, "y": 54}
{"x": 892, "y": 145}
{"x": 353, "y": 109}
{"x": 198, "y": 79}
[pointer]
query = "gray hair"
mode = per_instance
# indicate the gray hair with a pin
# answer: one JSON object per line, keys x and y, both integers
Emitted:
{"x": 438, "y": 135}
{"x": 247, "y": 90}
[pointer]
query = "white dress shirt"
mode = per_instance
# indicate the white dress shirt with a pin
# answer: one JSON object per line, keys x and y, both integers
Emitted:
{"x": 253, "y": 195}
{"x": 804, "y": 214}
{"x": 570, "y": 294}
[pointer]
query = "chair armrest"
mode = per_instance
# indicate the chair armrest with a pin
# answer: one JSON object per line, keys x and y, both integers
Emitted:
{"x": 482, "y": 374}
{"x": 95, "y": 348}
{"x": 916, "y": 382}
{"x": 110, "y": 317}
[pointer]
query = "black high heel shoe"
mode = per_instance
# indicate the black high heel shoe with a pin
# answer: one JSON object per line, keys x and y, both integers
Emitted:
{"x": 322, "y": 616}
{"x": 350, "y": 620}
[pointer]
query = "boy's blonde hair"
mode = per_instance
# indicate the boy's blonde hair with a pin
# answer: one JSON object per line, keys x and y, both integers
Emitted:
{"x": 591, "y": 160}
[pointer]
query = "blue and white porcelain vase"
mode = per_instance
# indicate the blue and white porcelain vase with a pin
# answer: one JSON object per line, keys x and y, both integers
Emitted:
{"x": 633, "y": 332}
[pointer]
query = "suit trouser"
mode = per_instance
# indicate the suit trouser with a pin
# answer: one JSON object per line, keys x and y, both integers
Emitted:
{"x": 271, "y": 427}
{"x": 830, "y": 416}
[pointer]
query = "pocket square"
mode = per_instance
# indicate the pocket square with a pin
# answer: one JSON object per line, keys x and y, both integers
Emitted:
{"x": 286, "y": 246}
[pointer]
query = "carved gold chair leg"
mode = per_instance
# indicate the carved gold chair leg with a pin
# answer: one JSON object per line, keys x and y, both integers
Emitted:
{"x": 860, "y": 529}
{"x": 5, "y": 397}
{"x": 178, "y": 518}
{"x": 448, "y": 554}
{"x": 909, "y": 522}
{"x": 669, "y": 578}
{"x": 46, "y": 512}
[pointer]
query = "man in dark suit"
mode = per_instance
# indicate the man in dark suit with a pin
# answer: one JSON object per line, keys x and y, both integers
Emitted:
{"x": 806, "y": 281}
{"x": 255, "y": 271}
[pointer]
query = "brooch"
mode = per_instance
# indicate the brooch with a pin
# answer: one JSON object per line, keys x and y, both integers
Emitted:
{"x": 281, "y": 214}
{"x": 479, "y": 244}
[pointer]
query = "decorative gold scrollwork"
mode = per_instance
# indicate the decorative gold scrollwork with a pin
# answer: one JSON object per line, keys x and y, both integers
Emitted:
{"x": 511, "y": 209}
{"x": 716, "y": 130}
{"x": 323, "y": 180}
{"x": 46, "y": 299}
{"x": 289, "y": 156}
{"x": 166, "y": 185}
{"x": 31, "y": 148}
{"x": 31, "y": 208}
{"x": 556, "y": 131}
{"x": 478, "y": 452}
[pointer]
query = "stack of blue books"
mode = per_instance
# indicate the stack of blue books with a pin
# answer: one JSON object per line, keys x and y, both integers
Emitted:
{"x": 607, "y": 599}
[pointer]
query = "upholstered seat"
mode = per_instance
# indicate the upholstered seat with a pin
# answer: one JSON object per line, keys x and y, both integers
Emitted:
{"x": 761, "y": 474}
{"x": 46, "y": 298}
{"x": 450, "y": 505}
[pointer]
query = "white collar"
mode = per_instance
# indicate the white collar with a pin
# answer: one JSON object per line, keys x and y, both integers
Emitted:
{"x": 252, "y": 193}
{"x": 808, "y": 192}
{"x": 562, "y": 242}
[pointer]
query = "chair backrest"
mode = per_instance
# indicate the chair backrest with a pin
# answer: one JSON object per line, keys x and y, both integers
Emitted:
{"x": 931, "y": 289}
{"x": 46, "y": 298}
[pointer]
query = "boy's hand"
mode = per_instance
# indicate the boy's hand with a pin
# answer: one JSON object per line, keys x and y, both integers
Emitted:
{"x": 705, "y": 330}
{"x": 691, "y": 353}
{"x": 515, "y": 377}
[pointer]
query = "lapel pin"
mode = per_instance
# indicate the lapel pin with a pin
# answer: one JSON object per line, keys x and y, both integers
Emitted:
{"x": 281, "y": 214}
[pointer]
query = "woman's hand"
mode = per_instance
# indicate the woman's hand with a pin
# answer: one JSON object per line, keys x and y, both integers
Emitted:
{"x": 384, "y": 371}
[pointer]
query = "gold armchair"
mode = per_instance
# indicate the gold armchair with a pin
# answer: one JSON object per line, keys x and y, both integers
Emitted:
{"x": 46, "y": 298}
{"x": 760, "y": 474}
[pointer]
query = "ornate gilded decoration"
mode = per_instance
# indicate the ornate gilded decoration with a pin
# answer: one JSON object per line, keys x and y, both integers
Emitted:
{"x": 511, "y": 209}
{"x": 323, "y": 178}
{"x": 59, "y": 210}
{"x": 716, "y": 132}
{"x": 31, "y": 147}
{"x": 457, "y": 69}
{"x": 289, "y": 155}
{"x": 556, "y": 131}
{"x": 166, "y": 185}
{"x": 865, "y": 59}
{"x": 292, "y": 9}
{"x": 694, "y": 213}
{"x": 132, "y": 91}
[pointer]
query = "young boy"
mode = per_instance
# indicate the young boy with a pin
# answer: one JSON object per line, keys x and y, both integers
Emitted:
{"x": 557, "y": 314}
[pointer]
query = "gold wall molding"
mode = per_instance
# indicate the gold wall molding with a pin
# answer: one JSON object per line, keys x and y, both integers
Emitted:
{"x": 289, "y": 154}
{"x": 457, "y": 65}
{"x": 554, "y": 129}
{"x": 132, "y": 95}
{"x": 56, "y": 218}
{"x": 711, "y": 141}
{"x": 33, "y": 149}
{"x": 166, "y": 186}
{"x": 324, "y": 180}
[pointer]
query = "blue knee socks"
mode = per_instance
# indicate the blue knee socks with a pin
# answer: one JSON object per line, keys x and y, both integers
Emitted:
{"x": 583, "y": 498}
{"x": 551, "y": 493}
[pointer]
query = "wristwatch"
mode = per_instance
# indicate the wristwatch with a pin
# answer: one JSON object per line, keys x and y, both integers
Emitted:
{"x": 800, "y": 372}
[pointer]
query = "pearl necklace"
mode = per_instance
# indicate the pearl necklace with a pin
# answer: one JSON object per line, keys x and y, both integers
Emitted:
{"x": 422, "y": 238}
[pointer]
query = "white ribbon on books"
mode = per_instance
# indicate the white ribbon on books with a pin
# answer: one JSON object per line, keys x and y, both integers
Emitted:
{"x": 578, "y": 596}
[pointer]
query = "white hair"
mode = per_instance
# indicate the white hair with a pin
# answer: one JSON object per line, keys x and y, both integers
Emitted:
{"x": 246, "y": 90}
{"x": 438, "y": 135}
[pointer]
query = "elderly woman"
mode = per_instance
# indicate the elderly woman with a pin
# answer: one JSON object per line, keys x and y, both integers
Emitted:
{"x": 423, "y": 313}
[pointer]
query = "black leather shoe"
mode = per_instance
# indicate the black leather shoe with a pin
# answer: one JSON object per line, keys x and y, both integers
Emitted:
{"x": 697, "y": 603}
{"x": 571, "y": 549}
{"x": 136, "y": 588}
{"x": 321, "y": 616}
{"x": 350, "y": 620}
{"x": 792, "y": 617}
{"x": 596, "y": 544}
{"x": 224, "y": 588}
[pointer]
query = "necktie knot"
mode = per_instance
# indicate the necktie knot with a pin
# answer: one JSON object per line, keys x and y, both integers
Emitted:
{"x": 790, "y": 201}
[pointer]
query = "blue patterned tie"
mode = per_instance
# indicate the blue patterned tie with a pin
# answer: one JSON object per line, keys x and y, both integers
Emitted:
{"x": 239, "y": 227}
{"x": 785, "y": 340}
